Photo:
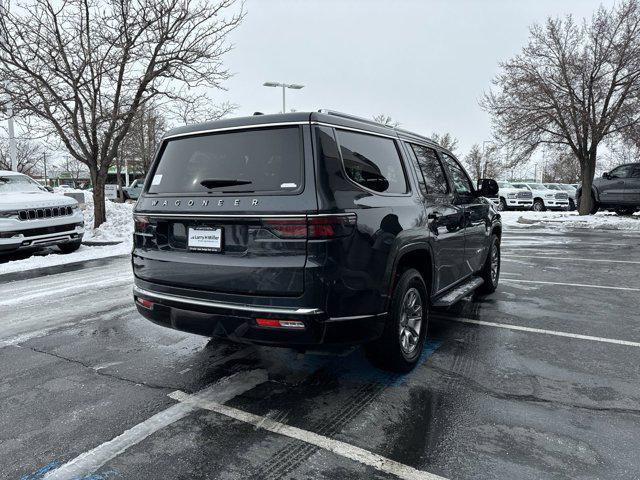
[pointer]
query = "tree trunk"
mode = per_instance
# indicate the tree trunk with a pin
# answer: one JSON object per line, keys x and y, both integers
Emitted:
{"x": 588, "y": 171}
{"x": 119, "y": 179}
{"x": 99, "y": 210}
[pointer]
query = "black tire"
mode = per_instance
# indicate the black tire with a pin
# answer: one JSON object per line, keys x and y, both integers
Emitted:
{"x": 502, "y": 206}
{"x": 572, "y": 204}
{"x": 398, "y": 350}
{"x": 625, "y": 211}
{"x": 69, "y": 247}
{"x": 487, "y": 274}
{"x": 538, "y": 206}
{"x": 594, "y": 205}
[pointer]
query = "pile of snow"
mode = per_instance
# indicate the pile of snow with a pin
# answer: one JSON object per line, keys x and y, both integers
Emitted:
{"x": 117, "y": 228}
{"x": 119, "y": 224}
{"x": 599, "y": 221}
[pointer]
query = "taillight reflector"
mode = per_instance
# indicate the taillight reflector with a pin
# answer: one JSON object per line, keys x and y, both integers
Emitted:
{"x": 145, "y": 303}
{"x": 273, "y": 322}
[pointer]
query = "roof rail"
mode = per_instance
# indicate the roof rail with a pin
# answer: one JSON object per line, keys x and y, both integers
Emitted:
{"x": 352, "y": 117}
{"x": 413, "y": 134}
{"x": 373, "y": 122}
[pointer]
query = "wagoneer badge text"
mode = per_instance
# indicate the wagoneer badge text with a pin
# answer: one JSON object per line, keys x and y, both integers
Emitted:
{"x": 205, "y": 203}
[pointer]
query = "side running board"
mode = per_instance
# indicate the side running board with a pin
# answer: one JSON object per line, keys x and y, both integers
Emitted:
{"x": 458, "y": 293}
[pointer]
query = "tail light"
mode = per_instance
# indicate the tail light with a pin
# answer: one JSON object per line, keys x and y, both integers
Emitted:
{"x": 141, "y": 224}
{"x": 312, "y": 227}
{"x": 287, "y": 227}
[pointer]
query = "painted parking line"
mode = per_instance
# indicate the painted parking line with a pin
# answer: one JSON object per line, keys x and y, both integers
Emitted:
{"x": 220, "y": 392}
{"x": 342, "y": 449}
{"x": 583, "y": 285}
{"x": 600, "y": 260}
{"x": 538, "y": 330}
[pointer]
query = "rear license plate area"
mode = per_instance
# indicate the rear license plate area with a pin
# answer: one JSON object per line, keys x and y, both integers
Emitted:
{"x": 204, "y": 239}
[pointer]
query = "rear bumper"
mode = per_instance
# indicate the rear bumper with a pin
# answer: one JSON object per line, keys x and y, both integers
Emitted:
{"x": 237, "y": 321}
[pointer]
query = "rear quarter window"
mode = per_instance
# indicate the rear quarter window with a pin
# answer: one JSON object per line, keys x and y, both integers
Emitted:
{"x": 268, "y": 160}
{"x": 372, "y": 162}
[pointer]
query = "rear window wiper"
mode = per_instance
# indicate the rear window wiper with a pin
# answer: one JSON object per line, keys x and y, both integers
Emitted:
{"x": 216, "y": 183}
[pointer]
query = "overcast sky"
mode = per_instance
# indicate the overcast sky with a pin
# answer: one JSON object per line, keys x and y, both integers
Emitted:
{"x": 425, "y": 63}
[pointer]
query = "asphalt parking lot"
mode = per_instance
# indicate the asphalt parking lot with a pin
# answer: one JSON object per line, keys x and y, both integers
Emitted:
{"x": 539, "y": 380}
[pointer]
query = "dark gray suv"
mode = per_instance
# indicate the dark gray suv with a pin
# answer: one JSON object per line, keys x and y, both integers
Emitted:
{"x": 309, "y": 229}
{"x": 617, "y": 190}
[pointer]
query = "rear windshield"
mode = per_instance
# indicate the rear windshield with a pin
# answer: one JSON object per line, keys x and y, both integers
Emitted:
{"x": 265, "y": 161}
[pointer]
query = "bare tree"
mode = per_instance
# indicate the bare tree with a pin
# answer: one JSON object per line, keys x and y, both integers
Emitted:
{"x": 386, "y": 120}
{"x": 560, "y": 166}
{"x": 572, "y": 85}
{"x": 143, "y": 138}
{"x": 84, "y": 68}
{"x": 484, "y": 164}
{"x": 446, "y": 141}
{"x": 28, "y": 153}
{"x": 199, "y": 109}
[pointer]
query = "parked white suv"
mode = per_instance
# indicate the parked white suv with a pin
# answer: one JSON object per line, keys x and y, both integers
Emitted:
{"x": 30, "y": 216}
{"x": 544, "y": 198}
{"x": 513, "y": 197}
{"x": 563, "y": 187}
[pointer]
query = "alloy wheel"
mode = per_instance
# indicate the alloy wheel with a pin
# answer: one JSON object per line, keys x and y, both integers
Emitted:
{"x": 410, "y": 321}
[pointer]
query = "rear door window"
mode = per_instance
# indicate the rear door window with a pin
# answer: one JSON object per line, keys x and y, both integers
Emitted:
{"x": 268, "y": 160}
{"x": 431, "y": 169}
{"x": 372, "y": 161}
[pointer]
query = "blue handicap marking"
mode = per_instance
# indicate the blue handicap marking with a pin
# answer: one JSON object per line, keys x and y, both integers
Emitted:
{"x": 353, "y": 366}
{"x": 42, "y": 471}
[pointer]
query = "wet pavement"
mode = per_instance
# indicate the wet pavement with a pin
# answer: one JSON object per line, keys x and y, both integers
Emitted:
{"x": 539, "y": 380}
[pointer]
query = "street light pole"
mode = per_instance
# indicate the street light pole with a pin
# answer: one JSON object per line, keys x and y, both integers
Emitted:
{"x": 12, "y": 134}
{"x": 284, "y": 86}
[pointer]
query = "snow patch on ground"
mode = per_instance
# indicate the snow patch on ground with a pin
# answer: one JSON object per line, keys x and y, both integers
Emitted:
{"x": 117, "y": 228}
{"x": 599, "y": 221}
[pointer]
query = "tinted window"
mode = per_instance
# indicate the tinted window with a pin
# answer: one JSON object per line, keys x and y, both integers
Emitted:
{"x": 624, "y": 171}
{"x": 431, "y": 168}
{"x": 372, "y": 162}
{"x": 265, "y": 160}
{"x": 461, "y": 183}
{"x": 636, "y": 172}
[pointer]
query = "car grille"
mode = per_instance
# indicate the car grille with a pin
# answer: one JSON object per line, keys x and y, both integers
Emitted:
{"x": 525, "y": 195}
{"x": 562, "y": 196}
{"x": 48, "y": 212}
{"x": 34, "y": 232}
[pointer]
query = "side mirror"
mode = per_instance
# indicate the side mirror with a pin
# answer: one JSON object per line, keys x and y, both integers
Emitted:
{"x": 606, "y": 175}
{"x": 488, "y": 187}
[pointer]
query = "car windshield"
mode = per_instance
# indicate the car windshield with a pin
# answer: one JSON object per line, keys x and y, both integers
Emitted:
{"x": 504, "y": 184}
{"x": 553, "y": 187}
{"x": 568, "y": 188}
{"x": 18, "y": 183}
{"x": 538, "y": 186}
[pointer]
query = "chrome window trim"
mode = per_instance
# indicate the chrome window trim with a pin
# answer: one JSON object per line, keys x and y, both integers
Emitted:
{"x": 278, "y": 124}
{"x": 228, "y": 306}
{"x": 230, "y": 129}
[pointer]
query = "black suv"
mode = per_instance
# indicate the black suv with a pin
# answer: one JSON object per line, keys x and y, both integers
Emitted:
{"x": 617, "y": 190}
{"x": 304, "y": 229}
